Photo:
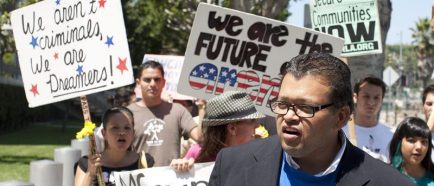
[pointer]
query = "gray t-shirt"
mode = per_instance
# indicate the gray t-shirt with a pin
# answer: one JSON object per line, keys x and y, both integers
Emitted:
{"x": 158, "y": 130}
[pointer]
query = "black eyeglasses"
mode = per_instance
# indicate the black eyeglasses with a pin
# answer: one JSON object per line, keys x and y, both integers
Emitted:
{"x": 301, "y": 110}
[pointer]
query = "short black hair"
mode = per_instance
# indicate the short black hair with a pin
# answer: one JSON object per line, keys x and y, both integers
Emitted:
{"x": 150, "y": 64}
{"x": 426, "y": 90}
{"x": 332, "y": 69}
{"x": 371, "y": 80}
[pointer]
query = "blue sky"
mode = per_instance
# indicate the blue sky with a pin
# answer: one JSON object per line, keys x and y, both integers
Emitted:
{"x": 404, "y": 15}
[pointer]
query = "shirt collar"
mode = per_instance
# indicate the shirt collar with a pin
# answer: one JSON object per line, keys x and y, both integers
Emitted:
{"x": 333, "y": 166}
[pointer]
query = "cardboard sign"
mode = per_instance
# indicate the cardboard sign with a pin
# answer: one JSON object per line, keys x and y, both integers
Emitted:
{"x": 172, "y": 66}
{"x": 232, "y": 50}
{"x": 198, "y": 176}
{"x": 355, "y": 20}
{"x": 71, "y": 48}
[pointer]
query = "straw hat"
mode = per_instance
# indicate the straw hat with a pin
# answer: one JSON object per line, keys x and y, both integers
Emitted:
{"x": 229, "y": 107}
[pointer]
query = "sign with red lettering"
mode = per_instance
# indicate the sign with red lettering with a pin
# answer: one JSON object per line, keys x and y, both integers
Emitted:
{"x": 232, "y": 50}
{"x": 71, "y": 48}
{"x": 355, "y": 20}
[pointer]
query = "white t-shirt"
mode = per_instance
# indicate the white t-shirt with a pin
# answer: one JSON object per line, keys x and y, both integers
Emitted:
{"x": 373, "y": 140}
{"x": 432, "y": 149}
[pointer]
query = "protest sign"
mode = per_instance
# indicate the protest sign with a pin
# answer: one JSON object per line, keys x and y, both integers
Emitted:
{"x": 198, "y": 176}
{"x": 71, "y": 48}
{"x": 232, "y": 50}
{"x": 172, "y": 66}
{"x": 355, "y": 20}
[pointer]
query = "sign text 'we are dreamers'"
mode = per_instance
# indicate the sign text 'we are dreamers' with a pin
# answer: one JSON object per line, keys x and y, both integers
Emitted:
{"x": 71, "y": 48}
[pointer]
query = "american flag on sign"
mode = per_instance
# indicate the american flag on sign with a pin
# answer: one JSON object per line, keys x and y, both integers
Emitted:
{"x": 203, "y": 75}
{"x": 267, "y": 85}
{"x": 226, "y": 75}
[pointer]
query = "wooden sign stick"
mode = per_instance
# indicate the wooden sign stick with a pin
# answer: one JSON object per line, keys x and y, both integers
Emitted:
{"x": 352, "y": 130}
{"x": 86, "y": 116}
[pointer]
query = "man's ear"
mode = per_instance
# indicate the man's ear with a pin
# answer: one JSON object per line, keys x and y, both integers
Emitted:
{"x": 355, "y": 98}
{"x": 164, "y": 82}
{"x": 103, "y": 132}
{"x": 231, "y": 129}
{"x": 137, "y": 82}
{"x": 343, "y": 116}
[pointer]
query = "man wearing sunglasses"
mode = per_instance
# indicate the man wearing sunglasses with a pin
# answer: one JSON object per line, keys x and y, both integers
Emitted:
{"x": 314, "y": 103}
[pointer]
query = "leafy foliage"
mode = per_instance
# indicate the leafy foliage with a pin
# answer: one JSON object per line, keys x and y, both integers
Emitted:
{"x": 163, "y": 26}
{"x": 159, "y": 26}
{"x": 408, "y": 65}
{"x": 423, "y": 36}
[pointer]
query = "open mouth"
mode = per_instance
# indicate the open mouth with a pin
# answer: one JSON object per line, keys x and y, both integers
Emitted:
{"x": 122, "y": 140}
{"x": 291, "y": 131}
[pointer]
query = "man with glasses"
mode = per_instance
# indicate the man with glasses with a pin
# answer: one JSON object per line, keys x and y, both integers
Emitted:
{"x": 372, "y": 136}
{"x": 314, "y": 103}
{"x": 157, "y": 123}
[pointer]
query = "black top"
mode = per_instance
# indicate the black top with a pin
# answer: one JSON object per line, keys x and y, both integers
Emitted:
{"x": 106, "y": 171}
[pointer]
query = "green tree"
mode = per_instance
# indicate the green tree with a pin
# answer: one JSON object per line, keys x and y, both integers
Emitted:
{"x": 423, "y": 37}
{"x": 7, "y": 43}
{"x": 163, "y": 26}
{"x": 408, "y": 65}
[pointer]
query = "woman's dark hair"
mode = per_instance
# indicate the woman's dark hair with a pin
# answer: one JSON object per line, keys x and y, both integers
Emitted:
{"x": 412, "y": 127}
{"x": 122, "y": 97}
{"x": 115, "y": 110}
{"x": 214, "y": 141}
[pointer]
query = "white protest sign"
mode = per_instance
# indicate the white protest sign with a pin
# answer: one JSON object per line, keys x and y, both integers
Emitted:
{"x": 232, "y": 50}
{"x": 390, "y": 76}
{"x": 198, "y": 176}
{"x": 71, "y": 48}
{"x": 355, "y": 20}
{"x": 172, "y": 66}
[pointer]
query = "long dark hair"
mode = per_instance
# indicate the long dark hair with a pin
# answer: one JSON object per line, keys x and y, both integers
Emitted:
{"x": 213, "y": 142}
{"x": 410, "y": 127}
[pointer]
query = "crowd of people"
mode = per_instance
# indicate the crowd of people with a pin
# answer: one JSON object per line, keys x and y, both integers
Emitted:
{"x": 305, "y": 143}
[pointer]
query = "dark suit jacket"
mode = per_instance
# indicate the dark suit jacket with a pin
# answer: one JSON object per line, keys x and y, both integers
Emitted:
{"x": 258, "y": 164}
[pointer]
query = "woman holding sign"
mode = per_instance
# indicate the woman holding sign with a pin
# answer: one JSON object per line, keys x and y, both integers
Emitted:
{"x": 118, "y": 132}
{"x": 410, "y": 151}
{"x": 230, "y": 119}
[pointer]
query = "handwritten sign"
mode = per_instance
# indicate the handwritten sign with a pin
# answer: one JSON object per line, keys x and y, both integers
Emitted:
{"x": 232, "y": 50}
{"x": 355, "y": 20}
{"x": 198, "y": 176}
{"x": 70, "y": 48}
{"x": 172, "y": 69}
